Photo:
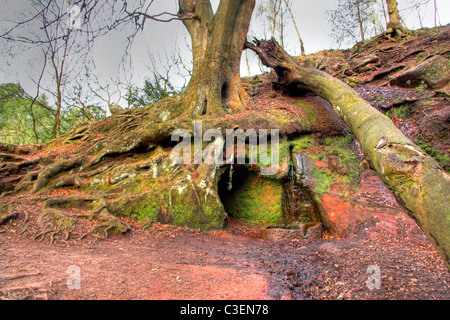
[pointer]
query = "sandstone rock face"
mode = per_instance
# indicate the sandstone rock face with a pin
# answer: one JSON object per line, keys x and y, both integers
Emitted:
{"x": 297, "y": 232}
{"x": 277, "y": 234}
{"x": 434, "y": 73}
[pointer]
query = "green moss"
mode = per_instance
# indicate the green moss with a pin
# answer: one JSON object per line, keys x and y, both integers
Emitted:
{"x": 318, "y": 199}
{"x": 143, "y": 209}
{"x": 254, "y": 198}
{"x": 283, "y": 152}
{"x": 279, "y": 116}
{"x": 344, "y": 146}
{"x": 309, "y": 111}
{"x": 181, "y": 214}
{"x": 422, "y": 87}
{"x": 442, "y": 158}
{"x": 352, "y": 82}
{"x": 340, "y": 150}
{"x": 401, "y": 112}
{"x": 324, "y": 180}
{"x": 146, "y": 207}
{"x": 148, "y": 212}
{"x": 191, "y": 206}
{"x": 188, "y": 212}
{"x": 302, "y": 144}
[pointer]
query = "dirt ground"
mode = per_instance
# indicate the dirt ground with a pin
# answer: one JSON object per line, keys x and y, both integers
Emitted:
{"x": 170, "y": 263}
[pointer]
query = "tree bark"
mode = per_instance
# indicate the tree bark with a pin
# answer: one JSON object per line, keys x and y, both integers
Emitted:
{"x": 418, "y": 182}
{"x": 360, "y": 22}
{"x": 395, "y": 22}
{"x": 215, "y": 87}
{"x": 302, "y": 47}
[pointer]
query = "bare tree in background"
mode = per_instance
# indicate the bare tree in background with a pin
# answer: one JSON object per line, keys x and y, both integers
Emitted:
{"x": 352, "y": 19}
{"x": 273, "y": 15}
{"x": 52, "y": 27}
{"x": 288, "y": 5}
{"x": 66, "y": 32}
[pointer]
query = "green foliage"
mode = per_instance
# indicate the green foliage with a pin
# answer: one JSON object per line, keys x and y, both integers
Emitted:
{"x": 25, "y": 121}
{"x": 76, "y": 116}
{"x": 441, "y": 158}
{"x": 21, "y": 121}
{"x": 401, "y": 112}
{"x": 152, "y": 91}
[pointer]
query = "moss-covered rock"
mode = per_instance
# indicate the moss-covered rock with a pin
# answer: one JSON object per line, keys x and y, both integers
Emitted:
{"x": 433, "y": 73}
{"x": 250, "y": 196}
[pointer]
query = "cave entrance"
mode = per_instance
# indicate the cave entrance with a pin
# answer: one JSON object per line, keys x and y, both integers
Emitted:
{"x": 245, "y": 194}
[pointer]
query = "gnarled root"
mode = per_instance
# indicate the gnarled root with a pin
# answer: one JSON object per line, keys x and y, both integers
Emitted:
{"x": 55, "y": 222}
{"x": 52, "y": 170}
{"x": 9, "y": 216}
{"x": 109, "y": 222}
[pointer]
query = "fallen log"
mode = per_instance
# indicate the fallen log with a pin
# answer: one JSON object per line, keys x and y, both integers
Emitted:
{"x": 420, "y": 185}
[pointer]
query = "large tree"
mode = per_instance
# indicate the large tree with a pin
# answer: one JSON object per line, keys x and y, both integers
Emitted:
{"x": 352, "y": 19}
{"x": 217, "y": 42}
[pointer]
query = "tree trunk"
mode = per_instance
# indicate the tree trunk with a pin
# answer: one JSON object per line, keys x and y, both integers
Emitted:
{"x": 59, "y": 69}
{"x": 395, "y": 22}
{"x": 384, "y": 12}
{"x": 57, "y": 123}
{"x": 360, "y": 22}
{"x": 217, "y": 41}
{"x": 302, "y": 47}
{"x": 417, "y": 181}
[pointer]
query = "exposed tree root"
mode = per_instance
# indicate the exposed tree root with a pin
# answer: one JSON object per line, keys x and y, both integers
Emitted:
{"x": 5, "y": 194}
{"x": 11, "y": 157}
{"x": 52, "y": 170}
{"x": 9, "y": 216}
{"x": 58, "y": 225}
{"x": 14, "y": 167}
{"x": 15, "y": 170}
{"x": 14, "y": 149}
{"x": 27, "y": 180}
{"x": 24, "y": 224}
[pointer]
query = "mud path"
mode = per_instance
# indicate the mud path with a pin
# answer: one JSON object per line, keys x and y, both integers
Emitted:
{"x": 174, "y": 263}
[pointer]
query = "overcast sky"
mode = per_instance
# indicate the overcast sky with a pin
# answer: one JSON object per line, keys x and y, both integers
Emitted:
{"x": 158, "y": 38}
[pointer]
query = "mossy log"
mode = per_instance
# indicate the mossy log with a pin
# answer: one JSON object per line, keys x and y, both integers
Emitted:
{"x": 416, "y": 179}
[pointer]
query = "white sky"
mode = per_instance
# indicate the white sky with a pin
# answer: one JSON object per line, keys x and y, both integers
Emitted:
{"x": 158, "y": 38}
